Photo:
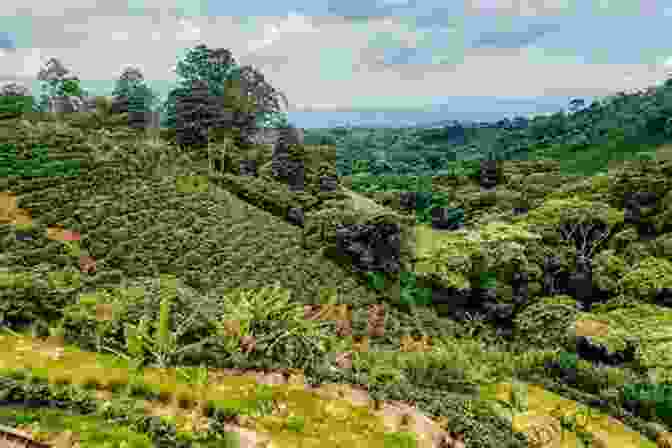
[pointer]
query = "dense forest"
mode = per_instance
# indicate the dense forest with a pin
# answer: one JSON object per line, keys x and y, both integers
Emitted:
{"x": 583, "y": 139}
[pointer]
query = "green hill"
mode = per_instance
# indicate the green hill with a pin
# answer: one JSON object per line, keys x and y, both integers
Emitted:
{"x": 157, "y": 218}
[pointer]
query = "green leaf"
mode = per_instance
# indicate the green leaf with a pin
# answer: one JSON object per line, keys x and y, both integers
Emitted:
{"x": 376, "y": 280}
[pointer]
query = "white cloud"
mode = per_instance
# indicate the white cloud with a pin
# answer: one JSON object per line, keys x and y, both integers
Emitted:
{"x": 188, "y": 31}
{"x": 119, "y": 36}
{"x": 270, "y": 35}
{"x": 292, "y": 46}
{"x": 83, "y": 8}
{"x": 275, "y": 31}
{"x": 27, "y": 62}
{"x": 297, "y": 23}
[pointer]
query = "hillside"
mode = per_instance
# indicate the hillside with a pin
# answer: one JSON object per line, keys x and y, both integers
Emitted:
{"x": 154, "y": 218}
{"x": 584, "y": 140}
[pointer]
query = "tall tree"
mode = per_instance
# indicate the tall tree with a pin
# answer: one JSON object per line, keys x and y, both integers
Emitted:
{"x": 129, "y": 79}
{"x": 221, "y": 72}
{"x": 263, "y": 95}
{"x": 201, "y": 63}
{"x": 169, "y": 107}
{"x": 211, "y": 65}
{"x": 141, "y": 102}
{"x": 53, "y": 70}
{"x": 58, "y": 81}
{"x": 195, "y": 114}
{"x": 584, "y": 224}
{"x": 131, "y": 93}
{"x": 239, "y": 111}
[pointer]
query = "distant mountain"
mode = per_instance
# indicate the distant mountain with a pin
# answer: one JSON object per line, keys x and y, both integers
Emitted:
{"x": 454, "y": 123}
{"x": 443, "y": 123}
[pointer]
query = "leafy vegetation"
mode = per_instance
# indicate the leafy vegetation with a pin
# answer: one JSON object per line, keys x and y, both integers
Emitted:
{"x": 247, "y": 101}
{"x": 196, "y": 268}
{"x": 15, "y": 106}
{"x": 584, "y": 140}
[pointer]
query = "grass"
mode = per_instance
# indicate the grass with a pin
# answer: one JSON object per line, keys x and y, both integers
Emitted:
{"x": 91, "y": 431}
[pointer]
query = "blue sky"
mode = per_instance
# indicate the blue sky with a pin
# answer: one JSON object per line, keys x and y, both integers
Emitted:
{"x": 365, "y": 61}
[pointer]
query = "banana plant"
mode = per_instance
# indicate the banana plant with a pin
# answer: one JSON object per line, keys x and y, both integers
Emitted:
{"x": 267, "y": 307}
{"x": 516, "y": 403}
{"x": 162, "y": 344}
{"x": 199, "y": 375}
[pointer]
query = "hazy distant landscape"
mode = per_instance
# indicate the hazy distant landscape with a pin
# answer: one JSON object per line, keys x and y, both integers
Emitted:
{"x": 462, "y": 109}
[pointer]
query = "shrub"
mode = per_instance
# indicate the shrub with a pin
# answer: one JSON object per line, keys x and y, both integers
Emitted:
{"x": 15, "y": 106}
{"x": 103, "y": 106}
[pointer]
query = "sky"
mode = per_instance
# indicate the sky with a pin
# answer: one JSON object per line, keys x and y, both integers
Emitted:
{"x": 363, "y": 62}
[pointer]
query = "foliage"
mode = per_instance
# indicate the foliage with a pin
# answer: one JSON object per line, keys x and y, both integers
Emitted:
{"x": 169, "y": 107}
{"x": 37, "y": 166}
{"x": 161, "y": 343}
{"x": 608, "y": 269}
{"x": 553, "y": 314}
{"x": 65, "y": 87}
{"x": 132, "y": 96}
{"x": 70, "y": 87}
{"x": 411, "y": 294}
{"x": 103, "y": 106}
{"x": 275, "y": 322}
{"x": 262, "y": 95}
{"x": 248, "y": 101}
{"x": 585, "y": 141}
{"x": 140, "y": 101}
{"x": 452, "y": 258}
{"x": 586, "y": 224}
{"x": 240, "y": 110}
{"x": 56, "y": 81}
{"x": 130, "y": 78}
{"x": 425, "y": 212}
{"x": 15, "y": 106}
{"x": 391, "y": 163}
{"x": 649, "y": 275}
{"x": 200, "y": 63}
